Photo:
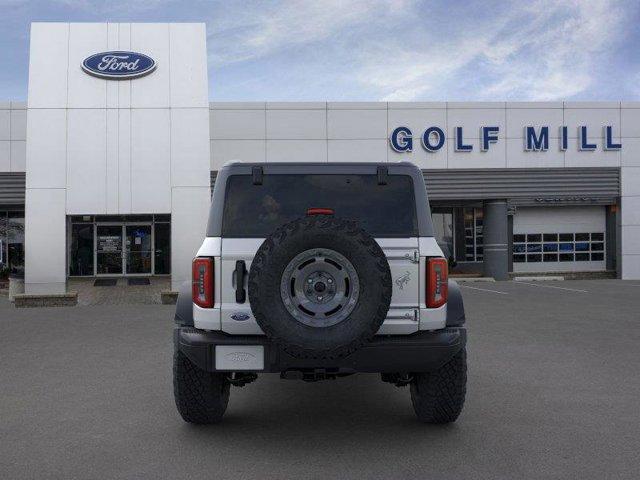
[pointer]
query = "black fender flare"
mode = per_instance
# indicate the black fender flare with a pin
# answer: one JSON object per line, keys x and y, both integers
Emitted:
{"x": 455, "y": 306}
{"x": 184, "y": 306}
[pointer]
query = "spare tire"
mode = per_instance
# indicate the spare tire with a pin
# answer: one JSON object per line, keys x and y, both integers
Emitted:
{"x": 320, "y": 287}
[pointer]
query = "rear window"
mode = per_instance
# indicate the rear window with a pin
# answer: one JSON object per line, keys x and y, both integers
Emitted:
{"x": 257, "y": 210}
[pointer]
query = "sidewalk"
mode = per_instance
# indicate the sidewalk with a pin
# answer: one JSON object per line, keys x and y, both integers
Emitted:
{"x": 121, "y": 293}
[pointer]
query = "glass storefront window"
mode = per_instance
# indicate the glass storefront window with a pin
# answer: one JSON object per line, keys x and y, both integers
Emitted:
{"x": 4, "y": 265}
{"x": 163, "y": 248}
{"x": 15, "y": 242}
{"x": 81, "y": 252}
{"x": 473, "y": 230}
{"x": 132, "y": 245}
{"x": 138, "y": 244}
{"x": 443, "y": 230}
{"x": 82, "y": 219}
{"x": 563, "y": 247}
{"x": 109, "y": 249}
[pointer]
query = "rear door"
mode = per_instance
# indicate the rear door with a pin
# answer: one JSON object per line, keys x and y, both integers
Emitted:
{"x": 386, "y": 211}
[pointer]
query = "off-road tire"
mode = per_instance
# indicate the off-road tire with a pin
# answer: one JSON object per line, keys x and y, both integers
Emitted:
{"x": 201, "y": 397}
{"x": 320, "y": 342}
{"x": 438, "y": 397}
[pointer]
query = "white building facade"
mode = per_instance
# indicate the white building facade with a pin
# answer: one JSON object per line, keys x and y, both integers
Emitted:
{"x": 118, "y": 171}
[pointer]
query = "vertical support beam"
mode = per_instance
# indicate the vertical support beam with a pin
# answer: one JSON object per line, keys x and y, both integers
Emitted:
{"x": 188, "y": 229}
{"x": 496, "y": 255}
{"x": 630, "y": 222}
{"x": 45, "y": 241}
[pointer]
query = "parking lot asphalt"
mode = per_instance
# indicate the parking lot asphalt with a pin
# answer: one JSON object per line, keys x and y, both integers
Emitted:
{"x": 553, "y": 392}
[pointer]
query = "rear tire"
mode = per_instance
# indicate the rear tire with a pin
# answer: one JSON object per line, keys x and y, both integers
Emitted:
{"x": 438, "y": 397}
{"x": 201, "y": 397}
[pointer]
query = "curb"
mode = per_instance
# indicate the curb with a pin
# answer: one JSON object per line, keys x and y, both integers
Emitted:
{"x": 475, "y": 279}
{"x": 538, "y": 279}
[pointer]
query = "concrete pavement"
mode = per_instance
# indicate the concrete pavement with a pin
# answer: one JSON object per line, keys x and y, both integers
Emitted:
{"x": 553, "y": 393}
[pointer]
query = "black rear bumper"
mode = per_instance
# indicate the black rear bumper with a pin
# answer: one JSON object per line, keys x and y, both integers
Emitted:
{"x": 419, "y": 352}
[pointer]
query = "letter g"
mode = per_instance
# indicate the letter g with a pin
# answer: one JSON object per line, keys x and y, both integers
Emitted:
{"x": 401, "y": 139}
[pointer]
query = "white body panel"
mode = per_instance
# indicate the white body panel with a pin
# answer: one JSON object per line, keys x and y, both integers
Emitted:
{"x": 407, "y": 261}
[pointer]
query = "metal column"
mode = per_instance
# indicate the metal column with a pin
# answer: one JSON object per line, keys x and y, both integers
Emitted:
{"x": 495, "y": 233}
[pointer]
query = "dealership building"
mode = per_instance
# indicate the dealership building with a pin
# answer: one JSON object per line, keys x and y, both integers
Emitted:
{"x": 107, "y": 168}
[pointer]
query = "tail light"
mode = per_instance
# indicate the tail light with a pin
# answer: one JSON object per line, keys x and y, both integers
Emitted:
{"x": 202, "y": 282}
{"x": 437, "y": 282}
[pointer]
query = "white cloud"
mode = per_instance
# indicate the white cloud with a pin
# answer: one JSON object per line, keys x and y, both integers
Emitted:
{"x": 248, "y": 33}
{"x": 569, "y": 50}
{"x": 406, "y": 50}
{"x": 546, "y": 51}
{"x": 106, "y": 7}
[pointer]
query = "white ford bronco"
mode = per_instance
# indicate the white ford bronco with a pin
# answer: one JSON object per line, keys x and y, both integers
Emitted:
{"x": 318, "y": 271}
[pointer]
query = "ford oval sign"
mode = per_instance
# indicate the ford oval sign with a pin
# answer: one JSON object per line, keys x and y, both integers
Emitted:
{"x": 118, "y": 65}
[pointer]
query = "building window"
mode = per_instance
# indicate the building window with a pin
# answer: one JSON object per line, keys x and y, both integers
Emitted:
{"x": 558, "y": 247}
{"x": 4, "y": 256}
{"x": 162, "y": 248}
{"x": 120, "y": 244}
{"x": 81, "y": 251}
{"x": 443, "y": 229}
{"x": 11, "y": 242}
{"x": 473, "y": 239}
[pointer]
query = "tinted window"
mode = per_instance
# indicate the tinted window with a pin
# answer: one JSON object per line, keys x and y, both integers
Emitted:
{"x": 257, "y": 210}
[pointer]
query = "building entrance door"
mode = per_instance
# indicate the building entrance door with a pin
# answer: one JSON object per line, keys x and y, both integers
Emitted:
{"x": 109, "y": 250}
{"x": 139, "y": 250}
{"x": 124, "y": 249}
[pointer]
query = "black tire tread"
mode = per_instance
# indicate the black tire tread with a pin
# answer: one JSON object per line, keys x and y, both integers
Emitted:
{"x": 201, "y": 397}
{"x": 438, "y": 397}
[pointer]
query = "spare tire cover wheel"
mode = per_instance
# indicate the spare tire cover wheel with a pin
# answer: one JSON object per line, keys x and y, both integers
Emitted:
{"x": 320, "y": 287}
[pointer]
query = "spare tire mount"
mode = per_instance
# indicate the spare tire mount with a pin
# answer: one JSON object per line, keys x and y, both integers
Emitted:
{"x": 320, "y": 287}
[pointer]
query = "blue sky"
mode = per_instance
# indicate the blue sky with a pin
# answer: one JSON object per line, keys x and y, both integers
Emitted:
{"x": 363, "y": 50}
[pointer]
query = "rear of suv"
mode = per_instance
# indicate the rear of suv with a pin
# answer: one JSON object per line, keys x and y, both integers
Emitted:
{"x": 318, "y": 271}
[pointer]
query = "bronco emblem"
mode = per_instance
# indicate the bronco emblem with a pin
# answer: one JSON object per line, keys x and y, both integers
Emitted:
{"x": 403, "y": 280}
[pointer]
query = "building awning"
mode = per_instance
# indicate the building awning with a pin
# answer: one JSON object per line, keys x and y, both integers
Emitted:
{"x": 526, "y": 186}
{"x": 12, "y": 189}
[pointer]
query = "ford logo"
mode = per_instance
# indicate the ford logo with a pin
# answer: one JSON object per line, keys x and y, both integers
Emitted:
{"x": 240, "y": 317}
{"x": 118, "y": 65}
{"x": 240, "y": 357}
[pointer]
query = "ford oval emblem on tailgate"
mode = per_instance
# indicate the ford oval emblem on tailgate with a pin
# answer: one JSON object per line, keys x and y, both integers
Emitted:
{"x": 240, "y": 317}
